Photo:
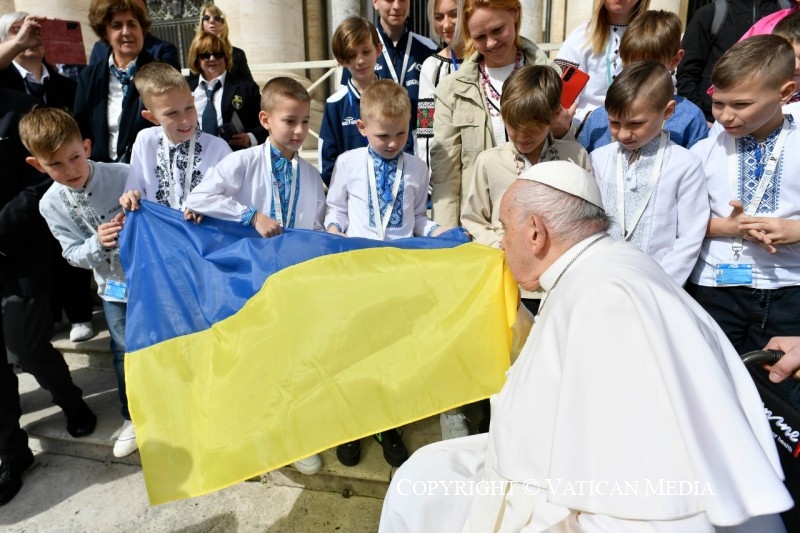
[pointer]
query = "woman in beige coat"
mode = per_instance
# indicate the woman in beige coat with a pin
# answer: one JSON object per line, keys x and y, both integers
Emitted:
{"x": 467, "y": 109}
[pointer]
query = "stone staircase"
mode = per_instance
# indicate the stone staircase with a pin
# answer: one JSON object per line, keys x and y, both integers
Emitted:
{"x": 92, "y": 370}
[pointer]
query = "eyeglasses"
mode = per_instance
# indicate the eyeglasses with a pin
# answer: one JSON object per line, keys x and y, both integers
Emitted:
{"x": 216, "y": 18}
{"x": 208, "y": 55}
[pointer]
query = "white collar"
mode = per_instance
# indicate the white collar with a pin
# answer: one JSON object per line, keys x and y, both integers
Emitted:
{"x": 549, "y": 276}
{"x": 221, "y": 79}
{"x": 26, "y": 74}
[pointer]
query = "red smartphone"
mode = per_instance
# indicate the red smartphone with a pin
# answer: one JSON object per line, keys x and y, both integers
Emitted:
{"x": 63, "y": 42}
{"x": 574, "y": 80}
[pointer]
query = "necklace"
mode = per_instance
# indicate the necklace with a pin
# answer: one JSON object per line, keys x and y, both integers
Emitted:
{"x": 541, "y": 307}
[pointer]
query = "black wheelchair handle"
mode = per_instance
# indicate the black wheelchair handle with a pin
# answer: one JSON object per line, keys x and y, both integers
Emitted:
{"x": 769, "y": 357}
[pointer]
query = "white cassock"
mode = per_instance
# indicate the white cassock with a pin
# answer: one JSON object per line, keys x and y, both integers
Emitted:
{"x": 628, "y": 410}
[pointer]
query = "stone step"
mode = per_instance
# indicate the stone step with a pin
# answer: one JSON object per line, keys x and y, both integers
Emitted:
{"x": 46, "y": 427}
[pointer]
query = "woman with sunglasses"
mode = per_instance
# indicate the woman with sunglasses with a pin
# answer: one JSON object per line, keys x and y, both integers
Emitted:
{"x": 213, "y": 21}
{"x": 227, "y": 104}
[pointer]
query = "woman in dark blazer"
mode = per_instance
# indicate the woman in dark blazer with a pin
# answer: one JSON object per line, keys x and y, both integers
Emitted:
{"x": 209, "y": 62}
{"x": 107, "y": 104}
{"x": 213, "y": 21}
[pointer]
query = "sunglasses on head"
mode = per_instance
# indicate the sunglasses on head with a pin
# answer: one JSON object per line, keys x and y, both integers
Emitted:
{"x": 205, "y": 56}
{"x": 216, "y": 18}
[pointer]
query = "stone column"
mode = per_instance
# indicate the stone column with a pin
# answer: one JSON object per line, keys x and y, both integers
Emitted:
{"x": 67, "y": 10}
{"x": 338, "y": 10}
{"x": 269, "y": 31}
{"x": 532, "y": 20}
{"x": 7, "y": 6}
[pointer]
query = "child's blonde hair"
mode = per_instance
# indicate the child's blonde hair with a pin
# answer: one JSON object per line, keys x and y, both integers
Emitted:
{"x": 653, "y": 35}
{"x": 351, "y": 33}
{"x": 155, "y": 79}
{"x": 599, "y": 27}
{"x": 767, "y": 57}
{"x": 646, "y": 80}
{"x": 46, "y": 129}
{"x": 385, "y": 99}
{"x": 531, "y": 96}
{"x": 282, "y": 87}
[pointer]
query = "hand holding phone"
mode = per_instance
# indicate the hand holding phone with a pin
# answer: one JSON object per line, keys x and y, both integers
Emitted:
{"x": 63, "y": 42}
{"x": 574, "y": 80}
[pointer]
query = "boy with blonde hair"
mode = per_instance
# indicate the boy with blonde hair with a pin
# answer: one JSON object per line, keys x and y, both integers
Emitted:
{"x": 269, "y": 187}
{"x": 654, "y": 35}
{"x": 169, "y": 161}
{"x": 83, "y": 213}
{"x": 653, "y": 189}
{"x": 356, "y": 47}
{"x": 747, "y": 277}
{"x": 380, "y": 192}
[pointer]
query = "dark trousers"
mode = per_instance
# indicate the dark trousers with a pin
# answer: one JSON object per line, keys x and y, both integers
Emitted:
{"x": 27, "y": 328}
{"x": 71, "y": 291}
{"x": 751, "y": 317}
{"x": 13, "y": 439}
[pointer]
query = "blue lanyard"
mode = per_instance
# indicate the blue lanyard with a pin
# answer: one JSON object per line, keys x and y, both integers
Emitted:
{"x": 453, "y": 60}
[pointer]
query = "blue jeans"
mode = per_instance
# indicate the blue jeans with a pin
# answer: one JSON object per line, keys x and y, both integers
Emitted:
{"x": 115, "y": 318}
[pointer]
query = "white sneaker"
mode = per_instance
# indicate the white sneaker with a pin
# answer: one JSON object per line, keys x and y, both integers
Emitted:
{"x": 309, "y": 465}
{"x": 453, "y": 426}
{"x": 126, "y": 440}
{"x": 81, "y": 331}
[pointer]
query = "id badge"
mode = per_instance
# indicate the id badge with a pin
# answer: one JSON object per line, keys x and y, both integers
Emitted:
{"x": 115, "y": 289}
{"x": 734, "y": 274}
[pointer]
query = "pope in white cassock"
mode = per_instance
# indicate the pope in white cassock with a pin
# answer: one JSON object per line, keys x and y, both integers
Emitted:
{"x": 627, "y": 410}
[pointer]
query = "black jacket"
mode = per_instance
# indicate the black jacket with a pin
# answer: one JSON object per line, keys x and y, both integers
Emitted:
{"x": 91, "y": 111}
{"x": 59, "y": 90}
{"x": 702, "y": 52}
{"x": 27, "y": 249}
{"x": 240, "y": 95}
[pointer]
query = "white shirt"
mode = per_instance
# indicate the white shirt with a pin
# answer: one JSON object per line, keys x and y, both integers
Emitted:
{"x": 349, "y": 198}
{"x": 673, "y": 224}
{"x": 243, "y": 180}
{"x": 27, "y": 75}
{"x": 145, "y": 177}
{"x": 770, "y": 271}
{"x": 115, "y": 98}
{"x": 201, "y": 100}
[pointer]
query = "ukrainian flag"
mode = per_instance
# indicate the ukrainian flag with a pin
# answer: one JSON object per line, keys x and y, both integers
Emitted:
{"x": 246, "y": 354}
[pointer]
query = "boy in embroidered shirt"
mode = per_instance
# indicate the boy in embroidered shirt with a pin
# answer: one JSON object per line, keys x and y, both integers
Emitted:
{"x": 748, "y": 275}
{"x": 654, "y": 35}
{"x": 83, "y": 213}
{"x": 381, "y": 175}
{"x": 168, "y": 162}
{"x": 270, "y": 186}
{"x": 653, "y": 189}
{"x": 356, "y": 46}
{"x": 380, "y": 192}
{"x": 530, "y": 100}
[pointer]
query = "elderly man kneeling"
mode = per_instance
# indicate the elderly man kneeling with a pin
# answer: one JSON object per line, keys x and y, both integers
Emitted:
{"x": 628, "y": 409}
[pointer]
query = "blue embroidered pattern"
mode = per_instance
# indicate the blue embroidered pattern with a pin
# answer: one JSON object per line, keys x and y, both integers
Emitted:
{"x": 164, "y": 168}
{"x": 282, "y": 172}
{"x": 385, "y": 171}
{"x": 751, "y": 168}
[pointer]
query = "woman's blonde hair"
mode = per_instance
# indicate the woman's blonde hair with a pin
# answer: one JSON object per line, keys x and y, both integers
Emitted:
{"x": 213, "y": 10}
{"x": 470, "y": 6}
{"x": 457, "y": 34}
{"x": 208, "y": 42}
{"x": 598, "y": 29}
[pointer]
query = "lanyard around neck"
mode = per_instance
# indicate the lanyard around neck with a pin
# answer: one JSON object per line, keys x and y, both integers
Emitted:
{"x": 453, "y": 60}
{"x": 294, "y": 177}
{"x": 390, "y": 63}
{"x": 174, "y": 198}
{"x": 651, "y": 186}
{"x": 763, "y": 183}
{"x": 382, "y": 222}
